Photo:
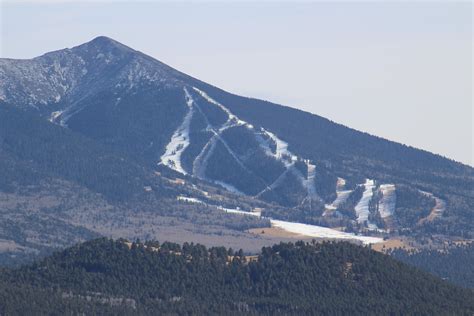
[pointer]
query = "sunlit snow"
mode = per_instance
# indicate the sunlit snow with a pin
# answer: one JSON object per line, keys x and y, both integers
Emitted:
{"x": 296, "y": 228}
{"x": 200, "y": 163}
{"x": 321, "y": 232}
{"x": 282, "y": 153}
{"x": 362, "y": 208}
{"x": 388, "y": 201}
{"x": 189, "y": 199}
{"x": 54, "y": 115}
{"x": 231, "y": 116}
{"x": 179, "y": 140}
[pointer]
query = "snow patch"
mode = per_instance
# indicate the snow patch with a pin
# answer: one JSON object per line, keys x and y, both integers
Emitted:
{"x": 388, "y": 201}
{"x": 341, "y": 196}
{"x": 54, "y": 115}
{"x": 179, "y": 140}
{"x": 201, "y": 161}
{"x": 362, "y": 208}
{"x": 238, "y": 211}
{"x": 321, "y": 232}
{"x": 288, "y": 159}
{"x": 296, "y": 228}
{"x": 281, "y": 153}
{"x": 189, "y": 199}
{"x": 309, "y": 183}
{"x": 231, "y": 116}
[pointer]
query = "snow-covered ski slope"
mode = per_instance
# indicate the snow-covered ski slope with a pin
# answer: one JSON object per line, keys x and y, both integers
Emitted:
{"x": 179, "y": 140}
{"x": 200, "y": 164}
{"x": 276, "y": 148}
{"x": 288, "y": 159}
{"x": 305, "y": 230}
{"x": 322, "y": 232}
{"x": 362, "y": 208}
{"x": 232, "y": 119}
{"x": 388, "y": 201}
{"x": 341, "y": 196}
{"x": 281, "y": 152}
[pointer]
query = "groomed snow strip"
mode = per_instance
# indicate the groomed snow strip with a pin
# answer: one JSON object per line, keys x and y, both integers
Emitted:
{"x": 321, "y": 232}
{"x": 388, "y": 201}
{"x": 179, "y": 140}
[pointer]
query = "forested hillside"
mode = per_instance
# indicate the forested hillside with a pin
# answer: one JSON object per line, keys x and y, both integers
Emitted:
{"x": 36, "y": 150}
{"x": 116, "y": 277}
{"x": 356, "y": 155}
{"x": 58, "y": 187}
{"x": 101, "y": 139}
{"x": 454, "y": 264}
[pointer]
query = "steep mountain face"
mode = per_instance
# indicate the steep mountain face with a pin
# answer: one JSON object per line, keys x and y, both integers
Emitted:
{"x": 312, "y": 170}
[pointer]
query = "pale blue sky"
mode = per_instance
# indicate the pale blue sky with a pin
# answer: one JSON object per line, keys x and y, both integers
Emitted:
{"x": 400, "y": 70}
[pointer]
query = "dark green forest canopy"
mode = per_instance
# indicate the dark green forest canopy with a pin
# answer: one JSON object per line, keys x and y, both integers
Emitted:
{"x": 454, "y": 264}
{"x": 114, "y": 277}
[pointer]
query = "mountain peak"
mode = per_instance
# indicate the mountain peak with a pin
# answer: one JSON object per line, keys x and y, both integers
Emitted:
{"x": 107, "y": 41}
{"x": 104, "y": 44}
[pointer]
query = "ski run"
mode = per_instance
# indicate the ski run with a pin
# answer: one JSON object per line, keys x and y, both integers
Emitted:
{"x": 179, "y": 139}
{"x": 436, "y": 211}
{"x": 388, "y": 201}
{"x": 291, "y": 227}
{"x": 362, "y": 208}
{"x": 321, "y": 232}
{"x": 277, "y": 149}
{"x": 341, "y": 196}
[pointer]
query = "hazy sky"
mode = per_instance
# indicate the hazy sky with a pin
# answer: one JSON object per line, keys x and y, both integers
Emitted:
{"x": 401, "y": 70}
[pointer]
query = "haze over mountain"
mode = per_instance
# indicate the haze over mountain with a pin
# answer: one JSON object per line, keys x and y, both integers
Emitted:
{"x": 101, "y": 139}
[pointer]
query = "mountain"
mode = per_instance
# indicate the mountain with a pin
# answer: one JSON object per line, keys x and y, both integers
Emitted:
{"x": 444, "y": 264}
{"x": 132, "y": 139}
{"x": 118, "y": 277}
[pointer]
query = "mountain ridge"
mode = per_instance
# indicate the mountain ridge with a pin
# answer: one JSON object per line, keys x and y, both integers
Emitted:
{"x": 301, "y": 167}
{"x": 102, "y": 43}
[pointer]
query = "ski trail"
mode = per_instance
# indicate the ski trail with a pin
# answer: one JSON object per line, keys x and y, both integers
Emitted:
{"x": 281, "y": 153}
{"x": 309, "y": 183}
{"x": 304, "y": 230}
{"x": 55, "y": 115}
{"x": 179, "y": 140}
{"x": 275, "y": 183}
{"x": 321, "y": 232}
{"x": 231, "y": 116}
{"x": 436, "y": 211}
{"x": 229, "y": 187}
{"x": 200, "y": 164}
{"x": 362, "y": 208}
{"x": 341, "y": 196}
{"x": 264, "y": 143}
{"x": 388, "y": 201}
{"x": 288, "y": 159}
